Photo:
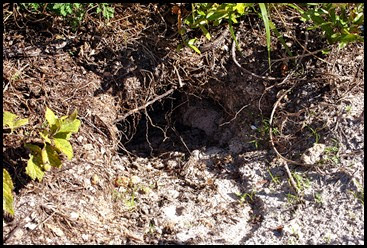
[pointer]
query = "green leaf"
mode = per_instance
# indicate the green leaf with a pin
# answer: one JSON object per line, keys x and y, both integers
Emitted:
{"x": 34, "y": 148}
{"x": 44, "y": 136}
{"x": 358, "y": 17}
{"x": 326, "y": 51}
{"x": 232, "y": 16}
{"x": 20, "y": 122}
{"x": 240, "y": 7}
{"x": 200, "y": 12}
{"x": 9, "y": 119}
{"x": 63, "y": 135}
{"x": 7, "y": 193}
{"x": 280, "y": 38}
{"x": 50, "y": 157}
{"x": 64, "y": 146}
{"x": 233, "y": 35}
{"x": 44, "y": 156}
{"x": 53, "y": 156}
{"x": 73, "y": 116}
{"x": 264, "y": 14}
{"x": 205, "y": 31}
{"x": 217, "y": 15}
{"x": 69, "y": 126}
{"x": 50, "y": 117}
{"x": 55, "y": 128}
{"x": 34, "y": 167}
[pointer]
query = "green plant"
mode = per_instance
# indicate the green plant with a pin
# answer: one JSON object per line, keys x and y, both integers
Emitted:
{"x": 264, "y": 14}
{"x": 55, "y": 136}
{"x": 10, "y": 120}
{"x": 348, "y": 109}
{"x": 359, "y": 193}
{"x": 274, "y": 179}
{"x": 8, "y": 193}
{"x": 318, "y": 198}
{"x": 315, "y": 134}
{"x": 245, "y": 197}
{"x": 130, "y": 203}
{"x": 73, "y": 12}
{"x": 340, "y": 22}
{"x": 331, "y": 152}
{"x": 205, "y": 14}
{"x": 55, "y": 141}
{"x": 255, "y": 142}
{"x": 106, "y": 10}
{"x": 293, "y": 199}
{"x": 302, "y": 182}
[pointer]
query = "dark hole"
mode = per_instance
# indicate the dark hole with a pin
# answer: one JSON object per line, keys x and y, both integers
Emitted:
{"x": 180, "y": 137}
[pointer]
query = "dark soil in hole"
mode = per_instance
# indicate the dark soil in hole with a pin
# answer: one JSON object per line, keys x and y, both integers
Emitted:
{"x": 181, "y": 123}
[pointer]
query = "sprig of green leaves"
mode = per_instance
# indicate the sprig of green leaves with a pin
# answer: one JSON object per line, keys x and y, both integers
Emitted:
{"x": 55, "y": 135}
{"x": 56, "y": 140}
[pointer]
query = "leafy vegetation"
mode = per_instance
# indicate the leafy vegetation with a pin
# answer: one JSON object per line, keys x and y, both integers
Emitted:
{"x": 55, "y": 138}
{"x": 55, "y": 141}
{"x": 7, "y": 193}
{"x": 359, "y": 193}
{"x": 73, "y": 12}
{"x": 10, "y": 120}
{"x": 341, "y": 23}
{"x": 245, "y": 197}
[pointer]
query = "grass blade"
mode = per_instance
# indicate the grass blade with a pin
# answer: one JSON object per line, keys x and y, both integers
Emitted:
{"x": 264, "y": 14}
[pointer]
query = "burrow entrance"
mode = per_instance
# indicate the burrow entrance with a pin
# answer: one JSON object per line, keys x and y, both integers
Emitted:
{"x": 180, "y": 122}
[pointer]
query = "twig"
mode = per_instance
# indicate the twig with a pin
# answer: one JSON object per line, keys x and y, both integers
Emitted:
{"x": 144, "y": 106}
{"x": 299, "y": 56}
{"x": 293, "y": 183}
{"x": 225, "y": 123}
{"x": 179, "y": 78}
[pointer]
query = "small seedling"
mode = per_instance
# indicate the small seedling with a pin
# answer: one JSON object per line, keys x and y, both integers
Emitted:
{"x": 327, "y": 238}
{"x": 55, "y": 141}
{"x": 348, "y": 109}
{"x": 302, "y": 183}
{"x": 152, "y": 228}
{"x": 318, "y": 198}
{"x": 255, "y": 142}
{"x": 55, "y": 136}
{"x": 359, "y": 193}
{"x": 315, "y": 134}
{"x": 274, "y": 179}
{"x": 292, "y": 199}
{"x": 331, "y": 152}
{"x": 245, "y": 197}
{"x": 130, "y": 203}
{"x": 72, "y": 12}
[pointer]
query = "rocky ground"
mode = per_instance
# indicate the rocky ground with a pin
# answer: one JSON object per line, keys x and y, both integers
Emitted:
{"x": 174, "y": 146}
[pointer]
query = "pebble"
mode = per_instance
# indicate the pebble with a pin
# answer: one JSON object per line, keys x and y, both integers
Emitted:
{"x": 85, "y": 237}
{"x": 74, "y": 216}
